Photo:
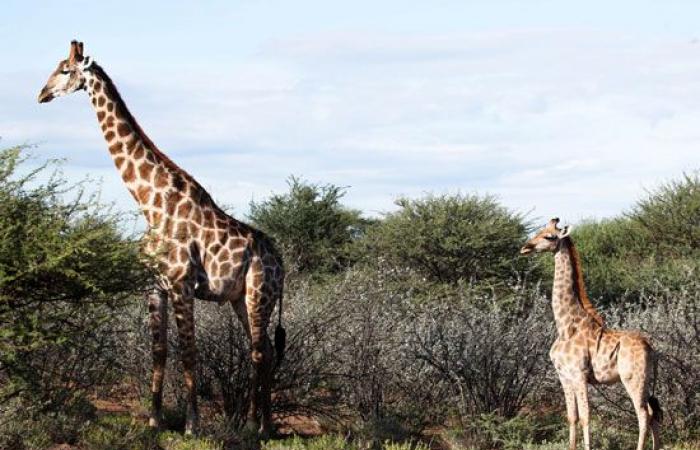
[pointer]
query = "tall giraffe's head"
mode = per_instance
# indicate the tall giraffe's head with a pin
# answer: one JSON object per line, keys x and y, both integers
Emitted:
{"x": 547, "y": 239}
{"x": 69, "y": 76}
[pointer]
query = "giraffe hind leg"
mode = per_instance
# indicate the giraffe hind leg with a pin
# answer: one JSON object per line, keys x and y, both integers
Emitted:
{"x": 636, "y": 390}
{"x": 260, "y": 411}
{"x": 261, "y": 403}
{"x": 636, "y": 372}
{"x": 655, "y": 423}
{"x": 635, "y": 384}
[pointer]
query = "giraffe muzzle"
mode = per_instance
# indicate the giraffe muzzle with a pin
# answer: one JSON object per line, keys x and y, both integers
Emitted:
{"x": 526, "y": 250}
{"x": 45, "y": 95}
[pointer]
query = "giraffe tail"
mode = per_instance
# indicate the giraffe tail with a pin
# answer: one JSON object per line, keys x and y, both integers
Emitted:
{"x": 657, "y": 414}
{"x": 280, "y": 334}
{"x": 653, "y": 404}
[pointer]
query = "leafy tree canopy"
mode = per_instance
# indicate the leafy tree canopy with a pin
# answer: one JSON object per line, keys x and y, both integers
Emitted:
{"x": 451, "y": 238}
{"x": 311, "y": 226}
{"x": 63, "y": 265}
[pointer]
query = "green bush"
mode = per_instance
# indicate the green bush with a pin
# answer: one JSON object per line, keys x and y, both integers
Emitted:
{"x": 494, "y": 431}
{"x": 312, "y": 228}
{"x": 64, "y": 268}
{"x": 656, "y": 244}
{"x": 335, "y": 442}
{"x": 616, "y": 262}
{"x": 451, "y": 238}
{"x": 670, "y": 215}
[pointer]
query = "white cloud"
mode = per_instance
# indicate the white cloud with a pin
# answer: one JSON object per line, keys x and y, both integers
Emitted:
{"x": 560, "y": 121}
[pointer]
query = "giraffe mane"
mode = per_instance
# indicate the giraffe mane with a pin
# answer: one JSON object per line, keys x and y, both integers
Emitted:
{"x": 114, "y": 92}
{"x": 109, "y": 85}
{"x": 580, "y": 287}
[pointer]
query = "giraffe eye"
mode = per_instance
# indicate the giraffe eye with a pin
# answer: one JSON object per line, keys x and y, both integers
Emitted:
{"x": 550, "y": 237}
{"x": 65, "y": 72}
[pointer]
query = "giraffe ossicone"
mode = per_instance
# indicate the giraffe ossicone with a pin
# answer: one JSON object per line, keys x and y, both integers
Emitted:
{"x": 586, "y": 351}
{"x": 199, "y": 250}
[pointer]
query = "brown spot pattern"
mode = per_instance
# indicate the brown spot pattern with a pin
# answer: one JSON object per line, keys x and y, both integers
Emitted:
{"x": 145, "y": 170}
{"x": 128, "y": 174}
{"x": 143, "y": 194}
{"x": 124, "y": 129}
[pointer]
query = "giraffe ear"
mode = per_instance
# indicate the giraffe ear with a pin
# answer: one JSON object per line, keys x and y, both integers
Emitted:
{"x": 76, "y": 52}
{"x": 566, "y": 231}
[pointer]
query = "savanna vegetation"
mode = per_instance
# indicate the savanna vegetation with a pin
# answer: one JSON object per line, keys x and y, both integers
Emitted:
{"x": 420, "y": 329}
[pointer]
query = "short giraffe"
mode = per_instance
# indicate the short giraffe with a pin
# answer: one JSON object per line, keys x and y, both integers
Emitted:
{"x": 585, "y": 351}
{"x": 199, "y": 250}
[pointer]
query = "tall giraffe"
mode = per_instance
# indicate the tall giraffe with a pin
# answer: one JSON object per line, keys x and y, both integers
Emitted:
{"x": 585, "y": 351}
{"x": 199, "y": 251}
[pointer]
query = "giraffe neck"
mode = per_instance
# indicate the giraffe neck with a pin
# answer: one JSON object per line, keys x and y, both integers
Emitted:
{"x": 566, "y": 304}
{"x": 149, "y": 175}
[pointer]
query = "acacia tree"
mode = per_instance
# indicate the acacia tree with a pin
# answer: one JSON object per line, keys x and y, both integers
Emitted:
{"x": 670, "y": 214}
{"x": 312, "y": 227}
{"x": 64, "y": 269}
{"x": 656, "y": 243}
{"x": 451, "y": 238}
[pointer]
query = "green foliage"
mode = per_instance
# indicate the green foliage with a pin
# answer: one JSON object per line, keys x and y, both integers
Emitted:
{"x": 327, "y": 442}
{"x": 608, "y": 435}
{"x": 311, "y": 226}
{"x": 612, "y": 445}
{"x": 63, "y": 267}
{"x": 176, "y": 441}
{"x": 670, "y": 215}
{"x": 120, "y": 433}
{"x": 116, "y": 433}
{"x": 656, "y": 244}
{"x": 451, "y": 238}
{"x": 620, "y": 264}
{"x": 336, "y": 442}
{"x": 614, "y": 256}
{"x": 494, "y": 431}
{"x": 21, "y": 428}
{"x": 366, "y": 351}
{"x": 386, "y": 428}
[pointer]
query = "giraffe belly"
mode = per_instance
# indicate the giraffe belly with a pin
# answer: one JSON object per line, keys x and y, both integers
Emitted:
{"x": 605, "y": 372}
{"x": 218, "y": 289}
{"x": 605, "y": 360}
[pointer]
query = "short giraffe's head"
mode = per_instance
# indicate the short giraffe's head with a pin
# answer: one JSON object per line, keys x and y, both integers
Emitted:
{"x": 547, "y": 239}
{"x": 69, "y": 76}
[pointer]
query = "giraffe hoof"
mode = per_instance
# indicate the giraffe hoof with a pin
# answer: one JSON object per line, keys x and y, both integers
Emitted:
{"x": 251, "y": 426}
{"x": 191, "y": 427}
{"x": 267, "y": 431}
{"x": 265, "y": 434}
{"x": 154, "y": 422}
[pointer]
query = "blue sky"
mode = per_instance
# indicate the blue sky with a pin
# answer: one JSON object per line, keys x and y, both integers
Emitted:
{"x": 557, "y": 108}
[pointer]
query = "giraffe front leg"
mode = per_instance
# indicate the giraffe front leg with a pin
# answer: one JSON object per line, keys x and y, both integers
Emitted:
{"x": 183, "y": 302}
{"x": 583, "y": 411}
{"x": 158, "y": 323}
{"x": 571, "y": 411}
